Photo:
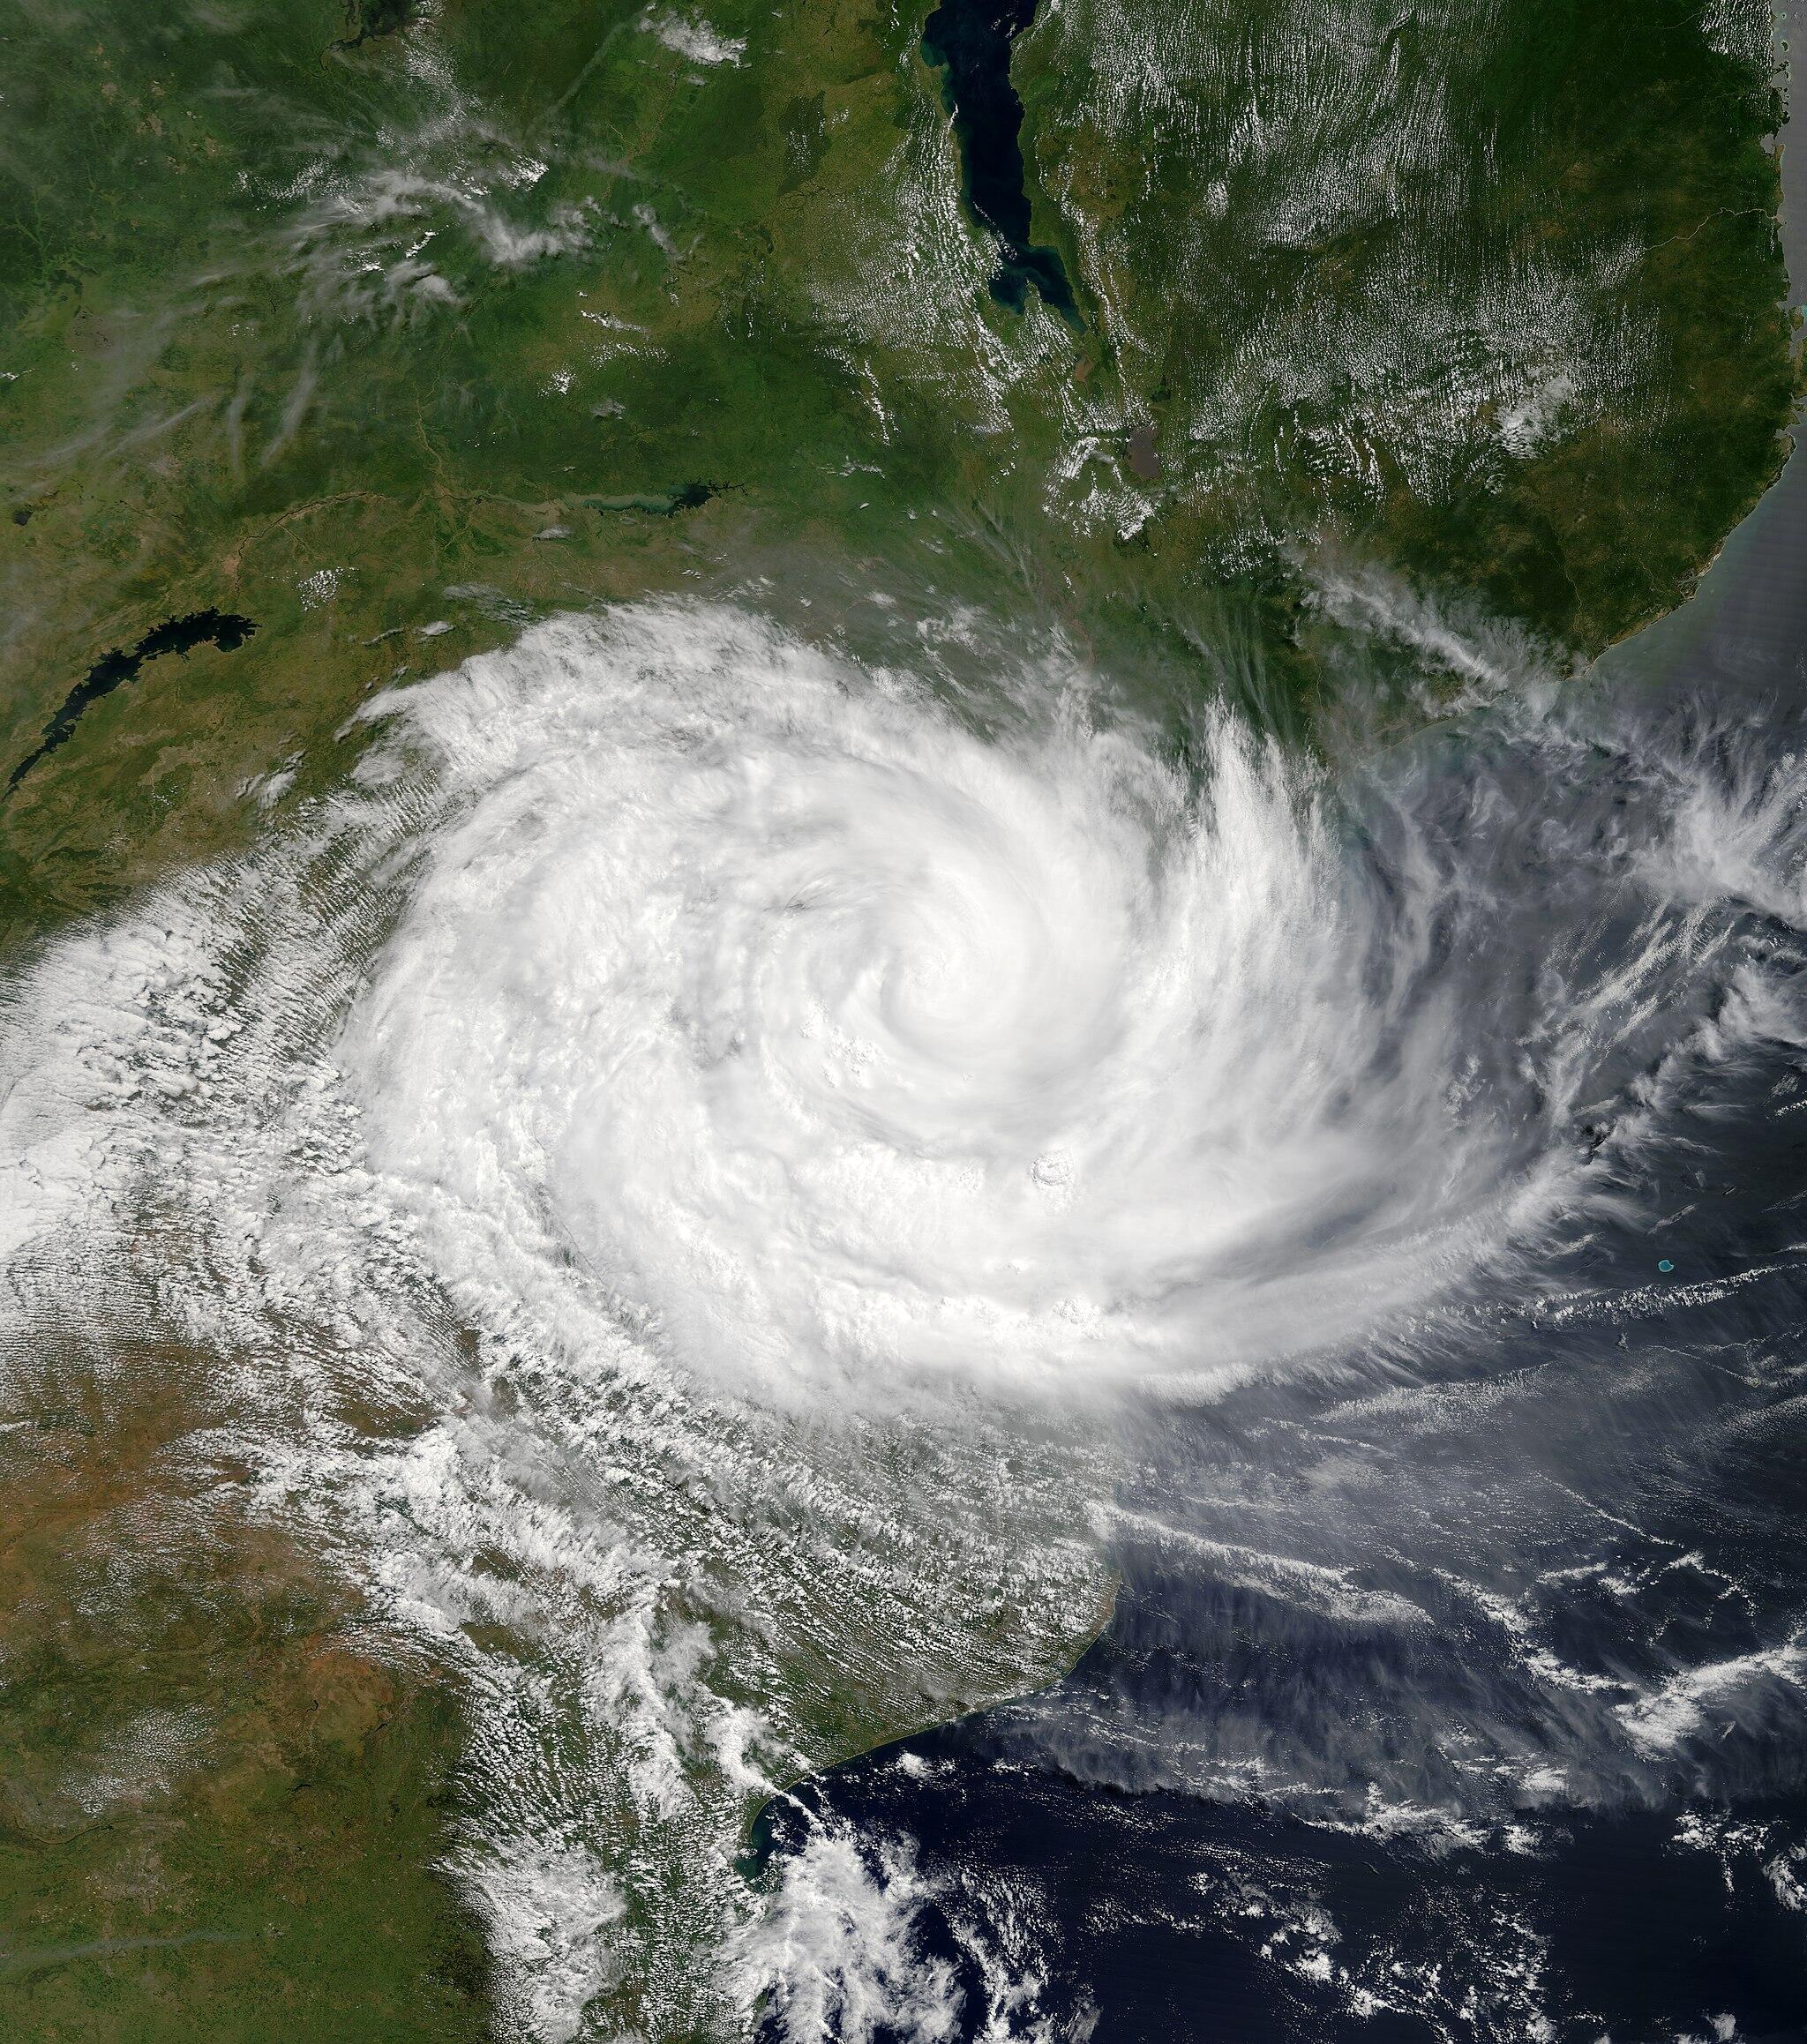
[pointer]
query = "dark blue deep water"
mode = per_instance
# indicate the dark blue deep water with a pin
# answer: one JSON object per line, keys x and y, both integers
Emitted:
{"x": 1457, "y": 1687}
{"x": 970, "y": 42}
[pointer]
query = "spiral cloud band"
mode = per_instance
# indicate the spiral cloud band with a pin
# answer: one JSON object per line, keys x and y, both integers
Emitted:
{"x": 848, "y": 1048}
{"x": 664, "y": 1171}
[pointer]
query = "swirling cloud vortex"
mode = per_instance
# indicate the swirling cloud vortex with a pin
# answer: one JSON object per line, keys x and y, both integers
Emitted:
{"x": 837, "y": 1043}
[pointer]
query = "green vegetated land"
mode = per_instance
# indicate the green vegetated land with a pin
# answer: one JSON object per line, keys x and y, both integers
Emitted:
{"x": 388, "y": 332}
{"x": 222, "y": 1802}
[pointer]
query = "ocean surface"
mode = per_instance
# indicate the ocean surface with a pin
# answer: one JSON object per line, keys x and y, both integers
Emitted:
{"x": 1454, "y": 1688}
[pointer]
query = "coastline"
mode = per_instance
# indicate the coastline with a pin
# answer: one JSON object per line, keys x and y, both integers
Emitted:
{"x": 1745, "y": 624}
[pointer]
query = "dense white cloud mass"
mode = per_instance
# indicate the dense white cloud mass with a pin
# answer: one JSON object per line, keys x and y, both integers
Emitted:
{"x": 665, "y": 1172}
{"x": 850, "y": 1050}
{"x": 338, "y": 1119}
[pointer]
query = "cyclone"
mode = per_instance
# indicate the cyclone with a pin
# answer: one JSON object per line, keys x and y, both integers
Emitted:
{"x": 684, "y": 1174}
{"x": 851, "y": 1050}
